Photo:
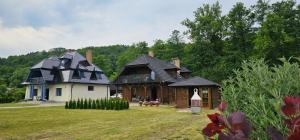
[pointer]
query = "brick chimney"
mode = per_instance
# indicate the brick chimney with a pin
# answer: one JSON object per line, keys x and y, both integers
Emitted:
{"x": 89, "y": 56}
{"x": 176, "y": 62}
{"x": 151, "y": 53}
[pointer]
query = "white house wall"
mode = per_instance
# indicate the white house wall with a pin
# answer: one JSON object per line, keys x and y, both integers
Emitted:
{"x": 65, "y": 92}
{"x": 78, "y": 91}
{"x": 81, "y": 91}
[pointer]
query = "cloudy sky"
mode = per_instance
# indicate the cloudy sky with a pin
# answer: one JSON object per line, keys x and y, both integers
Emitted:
{"x": 33, "y": 25}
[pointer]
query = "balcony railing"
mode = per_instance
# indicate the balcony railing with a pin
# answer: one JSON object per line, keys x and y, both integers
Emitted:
{"x": 37, "y": 80}
{"x": 135, "y": 78}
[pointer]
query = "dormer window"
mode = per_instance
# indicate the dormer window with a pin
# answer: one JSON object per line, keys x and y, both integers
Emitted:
{"x": 93, "y": 76}
{"x": 99, "y": 75}
{"x": 76, "y": 74}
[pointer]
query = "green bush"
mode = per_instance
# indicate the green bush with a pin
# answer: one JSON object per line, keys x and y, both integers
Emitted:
{"x": 90, "y": 104}
{"x": 67, "y": 105}
{"x": 258, "y": 90}
{"x": 93, "y": 104}
{"x": 85, "y": 105}
{"x": 104, "y": 104}
{"x": 81, "y": 104}
{"x": 97, "y": 104}
{"x": 78, "y": 104}
{"x": 70, "y": 104}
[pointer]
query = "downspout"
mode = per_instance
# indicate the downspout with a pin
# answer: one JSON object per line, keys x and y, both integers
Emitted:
{"x": 72, "y": 91}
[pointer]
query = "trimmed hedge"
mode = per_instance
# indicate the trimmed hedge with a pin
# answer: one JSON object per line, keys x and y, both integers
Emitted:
{"x": 6, "y": 100}
{"x": 103, "y": 104}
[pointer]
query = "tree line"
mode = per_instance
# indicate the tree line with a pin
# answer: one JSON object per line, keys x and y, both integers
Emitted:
{"x": 218, "y": 43}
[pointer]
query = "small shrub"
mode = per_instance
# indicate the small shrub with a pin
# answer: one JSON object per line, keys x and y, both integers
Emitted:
{"x": 78, "y": 104}
{"x": 81, "y": 104}
{"x": 85, "y": 105}
{"x": 70, "y": 104}
{"x": 89, "y": 104}
{"x": 67, "y": 105}
{"x": 97, "y": 104}
{"x": 93, "y": 104}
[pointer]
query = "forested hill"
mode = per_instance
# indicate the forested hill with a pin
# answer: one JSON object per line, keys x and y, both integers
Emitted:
{"x": 219, "y": 43}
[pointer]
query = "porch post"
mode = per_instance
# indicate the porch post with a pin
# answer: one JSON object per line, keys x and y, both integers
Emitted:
{"x": 209, "y": 98}
{"x": 145, "y": 92}
{"x": 31, "y": 91}
{"x": 161, "y": 93}
{"x": 175, "y": 96}
{"x": 43, "y": 91}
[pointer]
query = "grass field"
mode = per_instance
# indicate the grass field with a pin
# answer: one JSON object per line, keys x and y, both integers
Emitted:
{"x": 135, "y": 123}
{"x": 15, "y": 105}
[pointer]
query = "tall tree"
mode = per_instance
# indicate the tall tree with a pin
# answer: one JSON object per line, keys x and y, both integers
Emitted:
{"x": 280, "y": 32}
{"x": 207, "y": 33}
{"x": 240, "y": 36}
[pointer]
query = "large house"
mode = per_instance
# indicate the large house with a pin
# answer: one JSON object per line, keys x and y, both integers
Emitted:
{"x": 70, "y": 76}
{"x": 149, "y": 78}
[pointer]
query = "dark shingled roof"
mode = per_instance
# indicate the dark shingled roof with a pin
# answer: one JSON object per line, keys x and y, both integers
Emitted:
{"x": 65, "y": 67}
{"x": 184, "y": 70}
{"x": 194, "y": 81}
{"x": 157, "y": 65}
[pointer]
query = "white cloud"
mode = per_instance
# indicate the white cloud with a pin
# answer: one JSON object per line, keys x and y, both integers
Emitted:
{"x": 34, "y": 25}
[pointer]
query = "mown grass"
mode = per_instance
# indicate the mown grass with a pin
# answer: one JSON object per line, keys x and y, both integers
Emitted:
{"x": 15, "y": 105}
{"x": 135, "y": 123}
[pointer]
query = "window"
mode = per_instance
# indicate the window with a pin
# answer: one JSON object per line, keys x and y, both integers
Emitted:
{"x": 35, "y": 92}
{"x": 76, "y": 74}
{"x": 93, "y": 76}
{"x": 205, "y": 97}
{"x": 90, "y": 88}
{"x": 58, "y": 91}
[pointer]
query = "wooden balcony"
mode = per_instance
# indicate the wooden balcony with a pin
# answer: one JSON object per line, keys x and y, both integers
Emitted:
{"x": 135, "y": 78}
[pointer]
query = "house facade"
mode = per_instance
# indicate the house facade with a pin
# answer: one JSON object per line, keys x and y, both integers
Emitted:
{"x": 149, "y": 78}
{"x": 70, "y": 76}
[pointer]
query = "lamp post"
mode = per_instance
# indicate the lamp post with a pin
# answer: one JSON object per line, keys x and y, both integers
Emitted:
{"x": 195, "y": 102}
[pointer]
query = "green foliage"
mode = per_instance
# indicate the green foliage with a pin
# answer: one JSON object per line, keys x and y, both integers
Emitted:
{"x": 258, "y": 90}
{"x": 81, "y": 104}
{"x": 89, "y": 103}
{"x": 93, "y": 104}
{"x": 103, "y": 104}
{"x": 85, "y": 105}
{"x": 67, "y": 105}
{"x": 78, "y": 104}
{"x": 70, "y": 104}
{"x": 98, "y": 104}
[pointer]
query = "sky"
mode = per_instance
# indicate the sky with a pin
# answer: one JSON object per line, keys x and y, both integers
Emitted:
{"x": 36, "y": 25}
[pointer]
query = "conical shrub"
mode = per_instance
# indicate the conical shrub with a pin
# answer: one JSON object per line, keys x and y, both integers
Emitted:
{"x": 81, "y": 104}
{"x": 67, "y": 105}
{"x": 93, "y": 104}
{"x": 85, "y": 105}
{"x": 70, "y": 104}
{"x": 78, "y": 104}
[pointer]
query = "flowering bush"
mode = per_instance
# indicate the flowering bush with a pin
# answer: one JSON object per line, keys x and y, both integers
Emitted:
{"x": 236, "y": 126}
{"x": 291, "y": 110}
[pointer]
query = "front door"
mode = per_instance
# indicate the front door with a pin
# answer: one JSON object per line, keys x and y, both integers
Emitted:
{"x": 153, "y": 94}
{"x": 191, "y": 93}
{"x": 47, "y": 94}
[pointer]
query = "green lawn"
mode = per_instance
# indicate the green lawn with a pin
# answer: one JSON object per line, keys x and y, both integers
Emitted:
{"x": 15, "y": 105}
{"x": 135, "y": 123}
